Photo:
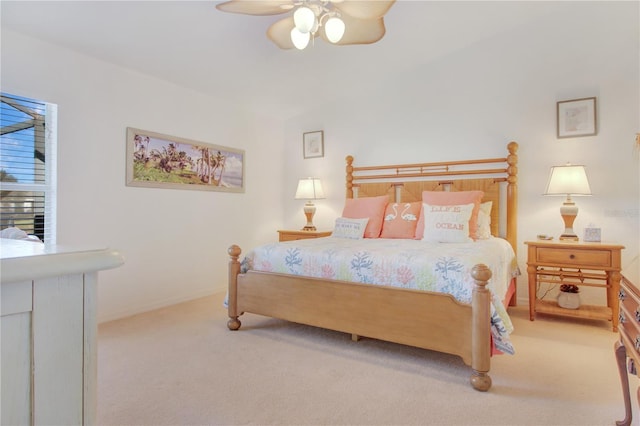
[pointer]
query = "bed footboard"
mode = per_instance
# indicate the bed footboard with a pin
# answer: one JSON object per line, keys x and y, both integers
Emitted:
{"x": 379, "y": 312}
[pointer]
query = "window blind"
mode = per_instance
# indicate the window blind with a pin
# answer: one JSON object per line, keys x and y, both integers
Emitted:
{"x": 27, "y": 166}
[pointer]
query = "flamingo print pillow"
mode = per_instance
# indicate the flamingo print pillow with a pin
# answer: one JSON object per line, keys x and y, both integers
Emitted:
{"x": 400, "y": 220}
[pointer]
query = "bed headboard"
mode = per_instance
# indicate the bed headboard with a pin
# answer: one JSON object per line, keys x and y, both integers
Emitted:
{"x": 497, "y": 177}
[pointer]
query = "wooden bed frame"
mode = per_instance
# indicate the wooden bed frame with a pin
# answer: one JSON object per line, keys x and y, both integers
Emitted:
{"x": 392, "y": 314}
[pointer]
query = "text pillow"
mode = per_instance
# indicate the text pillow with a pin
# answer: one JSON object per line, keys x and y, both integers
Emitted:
{"x": 447, "y": 224}
{"x": 352, "y": 229}
{"x": 368, "y": 207}
{"x": 451, "y": 198}
{"x": 400, "y": 220}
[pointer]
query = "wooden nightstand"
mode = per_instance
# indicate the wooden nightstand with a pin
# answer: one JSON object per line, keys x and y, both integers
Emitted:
{"x": 584, "y": 264}
{"x": 289, "y": 235}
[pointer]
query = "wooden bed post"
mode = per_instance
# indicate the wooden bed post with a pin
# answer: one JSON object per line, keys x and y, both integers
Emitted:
{"x": 512, "y": 207}
{"x": 481, "y": 329}
{"x": 512, "y": 195}
{"x": 349, "y": 178}
{"x": 234, "y": 269}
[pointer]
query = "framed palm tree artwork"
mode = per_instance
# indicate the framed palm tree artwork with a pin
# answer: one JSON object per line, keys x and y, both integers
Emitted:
{"x": 155, "y": 160}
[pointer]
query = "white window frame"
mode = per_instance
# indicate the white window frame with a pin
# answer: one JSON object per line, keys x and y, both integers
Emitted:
{"x": 49, "y": 187}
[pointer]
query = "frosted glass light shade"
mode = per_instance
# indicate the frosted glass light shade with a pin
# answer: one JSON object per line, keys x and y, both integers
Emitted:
{"x": 304, "y": 19}
{"x": 309, "y": 189}
{"x": 334, "y": 29}
{"x": 299, "y": 40}
{"x": 568, "y": 180}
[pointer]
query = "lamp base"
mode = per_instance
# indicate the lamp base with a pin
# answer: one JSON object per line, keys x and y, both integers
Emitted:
{"x": 309, "y": 211}
{"x": 569, "y": 211}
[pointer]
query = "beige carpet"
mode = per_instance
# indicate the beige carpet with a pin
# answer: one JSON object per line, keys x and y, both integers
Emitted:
{"x": 181, "y": 366}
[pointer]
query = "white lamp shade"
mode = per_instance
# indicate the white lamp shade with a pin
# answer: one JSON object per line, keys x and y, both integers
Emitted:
{"x": 568, "y": 180}
{"x": 334, "y": 29}
{"x": 309, "y": 189}
{"x": 304, "y": 19}
{"x": 299, "y": 40}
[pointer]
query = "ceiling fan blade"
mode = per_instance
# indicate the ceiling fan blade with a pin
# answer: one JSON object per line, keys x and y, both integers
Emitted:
{"x": 256, "y": 7}
{"x": 280, "y": 33}
{"x": 363, "y": 9}
{"x": 359, "y": 31}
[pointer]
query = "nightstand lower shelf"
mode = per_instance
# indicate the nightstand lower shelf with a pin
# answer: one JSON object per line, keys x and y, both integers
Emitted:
{"x": 584, "y": 311}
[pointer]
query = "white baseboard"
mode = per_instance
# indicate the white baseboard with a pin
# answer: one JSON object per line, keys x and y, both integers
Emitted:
{"x": 138, "y": 309}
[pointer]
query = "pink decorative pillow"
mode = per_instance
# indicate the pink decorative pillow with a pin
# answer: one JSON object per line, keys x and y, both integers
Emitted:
{"x": 451, "y": 198}
{"x": 400, "y": 220}
{"x": 371, "y": 207}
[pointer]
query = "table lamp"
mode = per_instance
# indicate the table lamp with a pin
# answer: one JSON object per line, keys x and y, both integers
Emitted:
{"x": 309, "y": 189}
{"x": 568, "y": 180}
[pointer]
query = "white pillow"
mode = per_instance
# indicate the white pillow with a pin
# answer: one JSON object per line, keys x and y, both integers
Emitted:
{"x": 484, "y": 220}
{"x": 447, "y": 224}
{"x": 352, "y": 229}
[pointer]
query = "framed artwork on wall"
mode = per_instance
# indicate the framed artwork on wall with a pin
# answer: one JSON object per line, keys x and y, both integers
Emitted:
{"x": 155, "y": 160}
{"x": 313, "y": 144}
{"x": 577, "y": 117}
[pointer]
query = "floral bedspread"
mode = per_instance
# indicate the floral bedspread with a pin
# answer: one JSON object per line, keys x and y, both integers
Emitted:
{"x": 411, "y": 264}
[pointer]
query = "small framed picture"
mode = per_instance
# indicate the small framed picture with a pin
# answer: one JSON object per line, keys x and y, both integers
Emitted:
{"x": 313, "y": 144}
{"x": 577, "y": 117}
{"x": 592, "y": 235}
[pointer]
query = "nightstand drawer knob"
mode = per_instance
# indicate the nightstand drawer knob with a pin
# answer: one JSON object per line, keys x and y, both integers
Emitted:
{"x": 572, "y": 256}
{"x": 637, "y": 343}
{"x": 622, "y": 318}
{"x": 638, "y": 314}
{"x": 622, "y": 294}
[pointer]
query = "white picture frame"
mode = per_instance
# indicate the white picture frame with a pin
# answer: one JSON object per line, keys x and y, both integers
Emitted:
{"x": 577, "y": 117}
{"x": 313, "y": 144}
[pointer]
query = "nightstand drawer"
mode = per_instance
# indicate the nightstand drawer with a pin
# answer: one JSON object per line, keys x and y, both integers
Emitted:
{"x": 577, "y": 257}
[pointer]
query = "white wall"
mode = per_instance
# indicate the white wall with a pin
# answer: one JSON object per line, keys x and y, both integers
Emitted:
{"x": 174, "y": 241}
{"x": 473, "y": 102}
{"x": 468, "y": 103}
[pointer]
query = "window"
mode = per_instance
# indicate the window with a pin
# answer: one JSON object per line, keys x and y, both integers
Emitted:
{"x": 27, "y": 166}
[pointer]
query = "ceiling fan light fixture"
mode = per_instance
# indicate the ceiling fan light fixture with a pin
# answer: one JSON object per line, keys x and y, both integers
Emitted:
{"x": 313, "y": 18}
{"x": 334, "y": 29}
{"x": 304, "y": 19}
{"x": 300, "y": 40}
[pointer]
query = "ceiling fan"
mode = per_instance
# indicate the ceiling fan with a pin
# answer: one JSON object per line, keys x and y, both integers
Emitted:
{"x": 339, "y": 22}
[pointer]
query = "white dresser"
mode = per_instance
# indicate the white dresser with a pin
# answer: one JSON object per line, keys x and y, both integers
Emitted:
{"x": 49, "y": 330}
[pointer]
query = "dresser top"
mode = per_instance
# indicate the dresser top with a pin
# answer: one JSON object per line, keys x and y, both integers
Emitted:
{"x": 22, "y": 260}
